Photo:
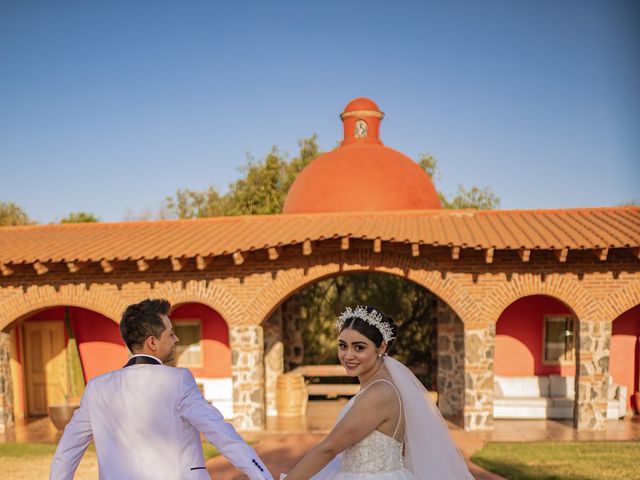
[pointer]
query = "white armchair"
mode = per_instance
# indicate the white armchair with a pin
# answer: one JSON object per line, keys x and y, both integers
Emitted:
{"x": 616, "y": 400}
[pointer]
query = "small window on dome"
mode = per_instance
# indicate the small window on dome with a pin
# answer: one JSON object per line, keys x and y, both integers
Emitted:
{"x": 362, "y": 129}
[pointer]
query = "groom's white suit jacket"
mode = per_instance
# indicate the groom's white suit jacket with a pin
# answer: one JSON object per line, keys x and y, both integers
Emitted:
{"x": 145, "y": 421}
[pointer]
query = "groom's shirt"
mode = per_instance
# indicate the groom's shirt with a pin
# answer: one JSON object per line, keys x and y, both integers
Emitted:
{"x": 145, "y": 421}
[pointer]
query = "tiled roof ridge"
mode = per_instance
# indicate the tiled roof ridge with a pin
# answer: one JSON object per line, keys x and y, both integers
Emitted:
{"x": 363, "y": 214}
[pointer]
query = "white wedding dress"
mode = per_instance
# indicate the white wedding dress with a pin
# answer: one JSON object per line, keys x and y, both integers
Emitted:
{"x": 378, "y": 455}
{"x": 429, "y": 451}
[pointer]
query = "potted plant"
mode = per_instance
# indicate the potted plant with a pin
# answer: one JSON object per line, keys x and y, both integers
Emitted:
{"x": 61, "y": 413}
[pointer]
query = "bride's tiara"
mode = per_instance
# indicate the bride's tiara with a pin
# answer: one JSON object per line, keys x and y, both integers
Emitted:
{"x": 373, "y": 318}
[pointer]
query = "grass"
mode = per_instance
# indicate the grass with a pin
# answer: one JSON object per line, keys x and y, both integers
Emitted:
{"x": 561, "y": 460}
{"x": 29, "y": 461}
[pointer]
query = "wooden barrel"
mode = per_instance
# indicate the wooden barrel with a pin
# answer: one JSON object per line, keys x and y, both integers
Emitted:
{"x": 291, "y": 395}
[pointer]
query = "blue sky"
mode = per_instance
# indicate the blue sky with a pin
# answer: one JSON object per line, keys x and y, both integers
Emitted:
{"x": 109, "y": 106}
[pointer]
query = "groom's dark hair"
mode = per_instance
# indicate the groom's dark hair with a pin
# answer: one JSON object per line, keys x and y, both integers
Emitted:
{"x": 142, "y": 320}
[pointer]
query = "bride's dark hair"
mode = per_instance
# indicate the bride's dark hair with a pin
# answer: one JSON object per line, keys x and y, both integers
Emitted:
{"x": 369, "y": 331}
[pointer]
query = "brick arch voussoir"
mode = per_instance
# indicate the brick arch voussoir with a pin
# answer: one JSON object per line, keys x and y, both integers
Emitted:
{"x": 561, "y": 287}
{"x": 198, "y": 291}
{"x": 621, "y": 300}
{"x": 37, "y": 298}
{"x": 416, "y": 270}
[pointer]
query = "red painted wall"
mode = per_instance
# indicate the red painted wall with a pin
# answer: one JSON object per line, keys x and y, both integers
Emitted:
{"x": 215, "y": 339}
{"x": 624, "y": 362}
{"x": 519, "y": 337}
{"x": 101, "y": 347}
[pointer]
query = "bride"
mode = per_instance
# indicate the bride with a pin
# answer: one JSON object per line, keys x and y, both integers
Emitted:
{"x": 391, "y": 430}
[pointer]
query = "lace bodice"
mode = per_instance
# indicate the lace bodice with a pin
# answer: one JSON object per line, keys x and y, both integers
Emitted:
{"x": 376, "y": 453}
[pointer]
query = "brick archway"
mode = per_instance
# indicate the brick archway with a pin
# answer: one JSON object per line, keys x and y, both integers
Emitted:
{"x": 417, "y": 270}
{"x": 36, "y": 298}
{"x": 621, "y": 300}
{"x": 213, "y": 296}
{"x": 560, "y": 287}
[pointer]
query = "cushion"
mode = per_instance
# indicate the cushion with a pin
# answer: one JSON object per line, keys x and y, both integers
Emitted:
{"x": 532, "y": 402}
{"x": 523, "y": 387}
{"x": 562, "y": 387}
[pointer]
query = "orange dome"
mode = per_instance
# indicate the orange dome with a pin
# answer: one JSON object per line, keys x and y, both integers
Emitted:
{"x": 361, "y": 174}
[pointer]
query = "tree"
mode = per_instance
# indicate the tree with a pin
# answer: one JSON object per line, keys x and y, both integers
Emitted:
{"x": 409, "y": 304}
{"x": 80, "y": 217}
{"x": 430, "y": 165}
{"x": 11, "y": 214}
{"x": 144, "y": 215}
{"x": 192, "y": 204}
{"x": 261, "y": 190}
{"x": 475, "y": 197}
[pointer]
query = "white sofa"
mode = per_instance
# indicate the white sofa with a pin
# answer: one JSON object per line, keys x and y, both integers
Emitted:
{"x": 542, "y": 396}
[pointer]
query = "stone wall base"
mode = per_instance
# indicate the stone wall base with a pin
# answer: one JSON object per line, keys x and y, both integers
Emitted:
{"x": 6, "y": 393}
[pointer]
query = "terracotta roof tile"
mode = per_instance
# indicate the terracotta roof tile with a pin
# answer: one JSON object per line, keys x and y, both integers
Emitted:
{"x": 615, "y": 227}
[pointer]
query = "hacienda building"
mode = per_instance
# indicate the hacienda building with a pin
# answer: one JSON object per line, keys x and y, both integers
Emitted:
{"x": 545, "y": 302}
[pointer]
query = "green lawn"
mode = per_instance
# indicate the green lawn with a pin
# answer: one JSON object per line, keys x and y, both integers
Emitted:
{"x": 29, "y": 461}
{"x": 561, "y": 460}
{"x": 48, "y": 449}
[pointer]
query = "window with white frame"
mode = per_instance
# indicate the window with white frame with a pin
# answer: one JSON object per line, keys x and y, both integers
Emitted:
{"x": 189, "y": 347}
{"x": 558, "y": 339}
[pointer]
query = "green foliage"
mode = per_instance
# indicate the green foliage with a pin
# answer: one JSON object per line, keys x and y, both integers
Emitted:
{"x": 20, "y": 450}
{"x": 557, "y": 460}
{"x": 191, "y": 204}
{"x": 262, "y": 189}
{"x": 11, "y": 215}
{"x": 80, "y": 217}
{"x": 408, "y": 303}
{"x": 430, "y": 165}
{"x": 209, "y": 451}
{"x": 475, "y": 197}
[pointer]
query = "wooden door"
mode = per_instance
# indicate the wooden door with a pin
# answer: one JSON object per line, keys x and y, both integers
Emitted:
{"x": 45, "y": 365}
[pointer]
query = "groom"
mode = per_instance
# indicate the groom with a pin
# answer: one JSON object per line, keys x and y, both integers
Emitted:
{"x": 145, "y": 418}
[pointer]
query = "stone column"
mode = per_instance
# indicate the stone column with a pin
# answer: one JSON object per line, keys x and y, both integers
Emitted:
{"x": 6, "y": 393}
{"x": 450, "y": 375}
{"x": 247, "y": 370}
{"x": 273, "y": 358}
{"x": 592, "y": 365}
{"x": 479, "y": 346}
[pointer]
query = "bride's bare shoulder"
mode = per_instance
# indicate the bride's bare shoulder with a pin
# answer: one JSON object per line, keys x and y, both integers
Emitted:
{"x": 381, "y": 390}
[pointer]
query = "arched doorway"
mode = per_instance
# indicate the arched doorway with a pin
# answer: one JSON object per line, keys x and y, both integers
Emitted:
{"x": 55, "y": 351}
{"x": 535, "y": 360}
{"x": 624, "y": 366}
{"x": 300, "y": 332}
{"x": 204, "y": 349}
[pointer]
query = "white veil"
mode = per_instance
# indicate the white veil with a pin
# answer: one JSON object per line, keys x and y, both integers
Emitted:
{"x": 429, "y": 450}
